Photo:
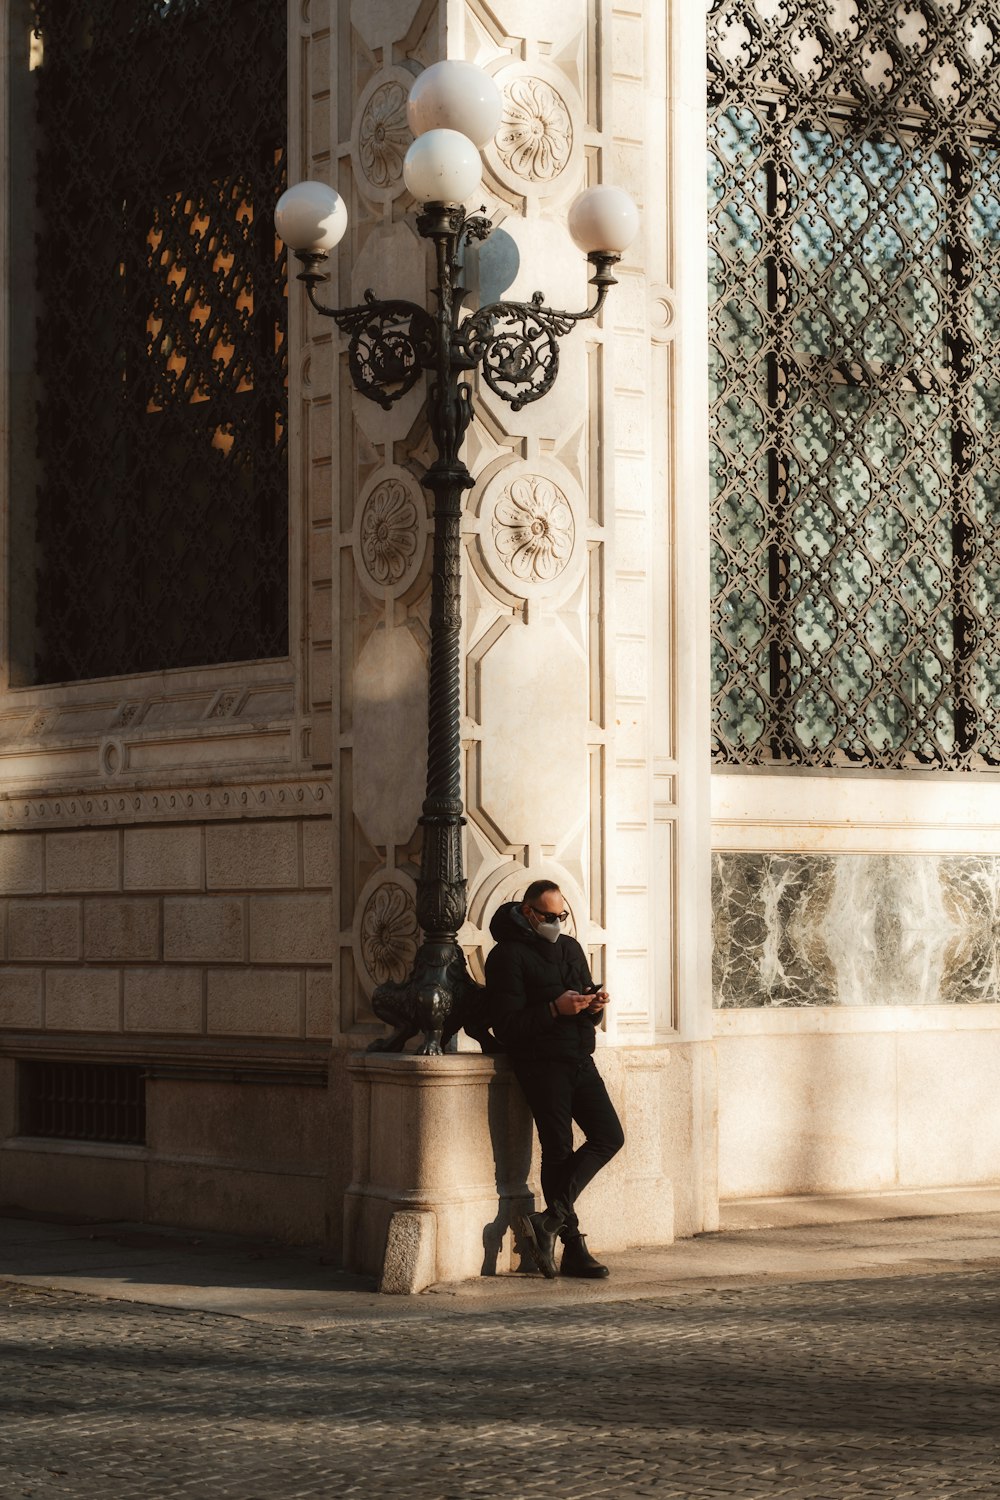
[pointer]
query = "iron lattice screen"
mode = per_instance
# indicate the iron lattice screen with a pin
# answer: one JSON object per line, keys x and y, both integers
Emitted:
{"x": 74, "y": 1101}
{"x": 159, "y": 488}
{"x": 855, "y": 289}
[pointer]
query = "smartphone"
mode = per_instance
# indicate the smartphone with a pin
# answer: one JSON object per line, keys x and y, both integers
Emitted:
{"x": 593, "y": 989}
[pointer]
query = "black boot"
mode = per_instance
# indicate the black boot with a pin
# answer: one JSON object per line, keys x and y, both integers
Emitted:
{"x": 578, "y": 1261}
{"x": 539, "y": 1232}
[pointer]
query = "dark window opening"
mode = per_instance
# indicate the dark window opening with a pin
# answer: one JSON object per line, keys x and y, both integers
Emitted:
{"x": 148, "y": 305}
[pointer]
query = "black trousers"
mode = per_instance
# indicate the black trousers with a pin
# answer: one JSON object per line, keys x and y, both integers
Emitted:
{"x": 560, "y": 1090}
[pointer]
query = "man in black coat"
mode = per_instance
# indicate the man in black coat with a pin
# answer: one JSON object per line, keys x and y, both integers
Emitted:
{"x": 544, "y": 1007}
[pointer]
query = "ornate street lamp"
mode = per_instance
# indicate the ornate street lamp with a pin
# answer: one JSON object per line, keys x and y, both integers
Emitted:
{"x": 454, "y": 108}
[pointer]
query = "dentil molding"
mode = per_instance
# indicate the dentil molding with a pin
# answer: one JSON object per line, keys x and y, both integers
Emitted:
{"x": 302, "y": 797}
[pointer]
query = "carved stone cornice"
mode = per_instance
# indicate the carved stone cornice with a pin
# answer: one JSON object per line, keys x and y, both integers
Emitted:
{"x": 299, "y": 797}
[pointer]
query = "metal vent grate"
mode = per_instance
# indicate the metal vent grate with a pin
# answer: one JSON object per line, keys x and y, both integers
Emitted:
{"x": 74, "y": 1101}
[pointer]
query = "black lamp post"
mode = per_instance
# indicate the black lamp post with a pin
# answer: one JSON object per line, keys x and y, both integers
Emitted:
{"x": 392, "y": 343}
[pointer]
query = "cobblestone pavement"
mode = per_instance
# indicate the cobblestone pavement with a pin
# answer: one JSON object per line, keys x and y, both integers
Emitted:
{"x": 884, "y": 1387}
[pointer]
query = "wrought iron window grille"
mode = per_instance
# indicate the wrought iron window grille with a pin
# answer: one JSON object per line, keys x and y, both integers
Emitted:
{"x": 148, "y": 459}
{"x": 855, "y": 191}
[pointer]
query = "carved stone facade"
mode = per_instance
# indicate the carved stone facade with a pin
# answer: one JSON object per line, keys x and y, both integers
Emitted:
{"x": 570, "y": 537}
{"x": 583, "y": 729}
{"x": 535, "y": 138}
{"x": 207, "y": 872}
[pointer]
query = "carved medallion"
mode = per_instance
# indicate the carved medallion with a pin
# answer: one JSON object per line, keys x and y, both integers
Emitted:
{"x": 533, "y": 529}
{"x": 384, "y": 136}
{"x": 389, "y": 933}
{"x": 535, "y": 138}
{"x": 380, "y": 136}
{"x": 390, "y": 532}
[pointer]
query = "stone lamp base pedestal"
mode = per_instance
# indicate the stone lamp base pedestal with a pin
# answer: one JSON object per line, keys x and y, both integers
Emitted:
{"x": 445, "y": 1156}
{"x": 442, "y": 1152}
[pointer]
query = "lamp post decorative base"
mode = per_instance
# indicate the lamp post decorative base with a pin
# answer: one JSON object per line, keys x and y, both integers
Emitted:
{"x": 439, "y": 998}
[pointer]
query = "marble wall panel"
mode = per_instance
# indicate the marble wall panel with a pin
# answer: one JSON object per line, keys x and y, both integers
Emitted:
{"x": 856, "y": 929}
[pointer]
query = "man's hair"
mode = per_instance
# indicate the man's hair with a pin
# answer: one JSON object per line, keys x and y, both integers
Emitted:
{"x": 538, "y": 888}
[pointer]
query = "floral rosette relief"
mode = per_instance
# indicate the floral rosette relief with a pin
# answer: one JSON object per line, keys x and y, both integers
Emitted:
{"x": 382, "y": 135}
{"x": 535, "y": 138}
{"x": 533, "y": 530}
{"x": 389, "y": 933}
{"x": 389, "y": 532}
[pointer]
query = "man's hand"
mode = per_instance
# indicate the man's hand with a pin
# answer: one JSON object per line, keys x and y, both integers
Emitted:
{"x": 598, "y": 1000}
{"x": 571, "y": 1002}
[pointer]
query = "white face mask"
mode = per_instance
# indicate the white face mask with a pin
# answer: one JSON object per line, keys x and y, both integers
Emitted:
{"x": 550, "y": 931}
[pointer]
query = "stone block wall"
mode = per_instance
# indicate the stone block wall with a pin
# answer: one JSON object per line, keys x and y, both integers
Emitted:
{"x": 199, "y": 953}
{"x": 215, "y": 930}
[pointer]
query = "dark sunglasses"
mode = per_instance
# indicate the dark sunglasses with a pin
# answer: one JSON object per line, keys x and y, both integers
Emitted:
{"x": 550, "y": 916}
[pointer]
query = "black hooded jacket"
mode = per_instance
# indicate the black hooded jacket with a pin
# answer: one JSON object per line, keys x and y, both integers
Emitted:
{"x": 524, "y": 974}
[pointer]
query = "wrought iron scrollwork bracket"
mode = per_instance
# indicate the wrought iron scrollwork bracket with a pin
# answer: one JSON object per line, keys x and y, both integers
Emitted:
{"x": 391, "y": 343}
{"x": 516, "y": 343}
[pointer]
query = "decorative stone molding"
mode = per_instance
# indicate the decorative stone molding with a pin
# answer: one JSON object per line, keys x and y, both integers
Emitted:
{"x": 662, "y": 314}
{"x": 381, "y": 135}
{"x": 535, "y": 139}
{"x": 390, "y": 532}
{"x": 386, "y": 932}
{"x": 541, "y": 131}
{"x": 533, "y": 529}
{"x": 226, "y": 703}
{"x": 509, "y": 883}
{"x": 389, "y": 934}
{"x": 111, "y": 757}
{"x": 288, "y": 799}
{"x": 86, "y": 712}
{"x": 530, "y": 535}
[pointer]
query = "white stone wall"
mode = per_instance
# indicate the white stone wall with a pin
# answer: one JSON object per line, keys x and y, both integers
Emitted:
{"x": 584, "y": 699}
{"x": 891, "y": 1090}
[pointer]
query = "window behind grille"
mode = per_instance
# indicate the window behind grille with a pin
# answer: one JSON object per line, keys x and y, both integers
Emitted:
{"x": 854, "y": 267}
{"x": 76, "y": 1101}
{"x": 148, "y": 460}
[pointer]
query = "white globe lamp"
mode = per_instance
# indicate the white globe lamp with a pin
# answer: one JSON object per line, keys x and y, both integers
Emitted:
{"x": 442, "y": 166}
{"x": 455, "y": 95}
{"x": 311, "y": 217}
{"x": 603, "y": 220}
